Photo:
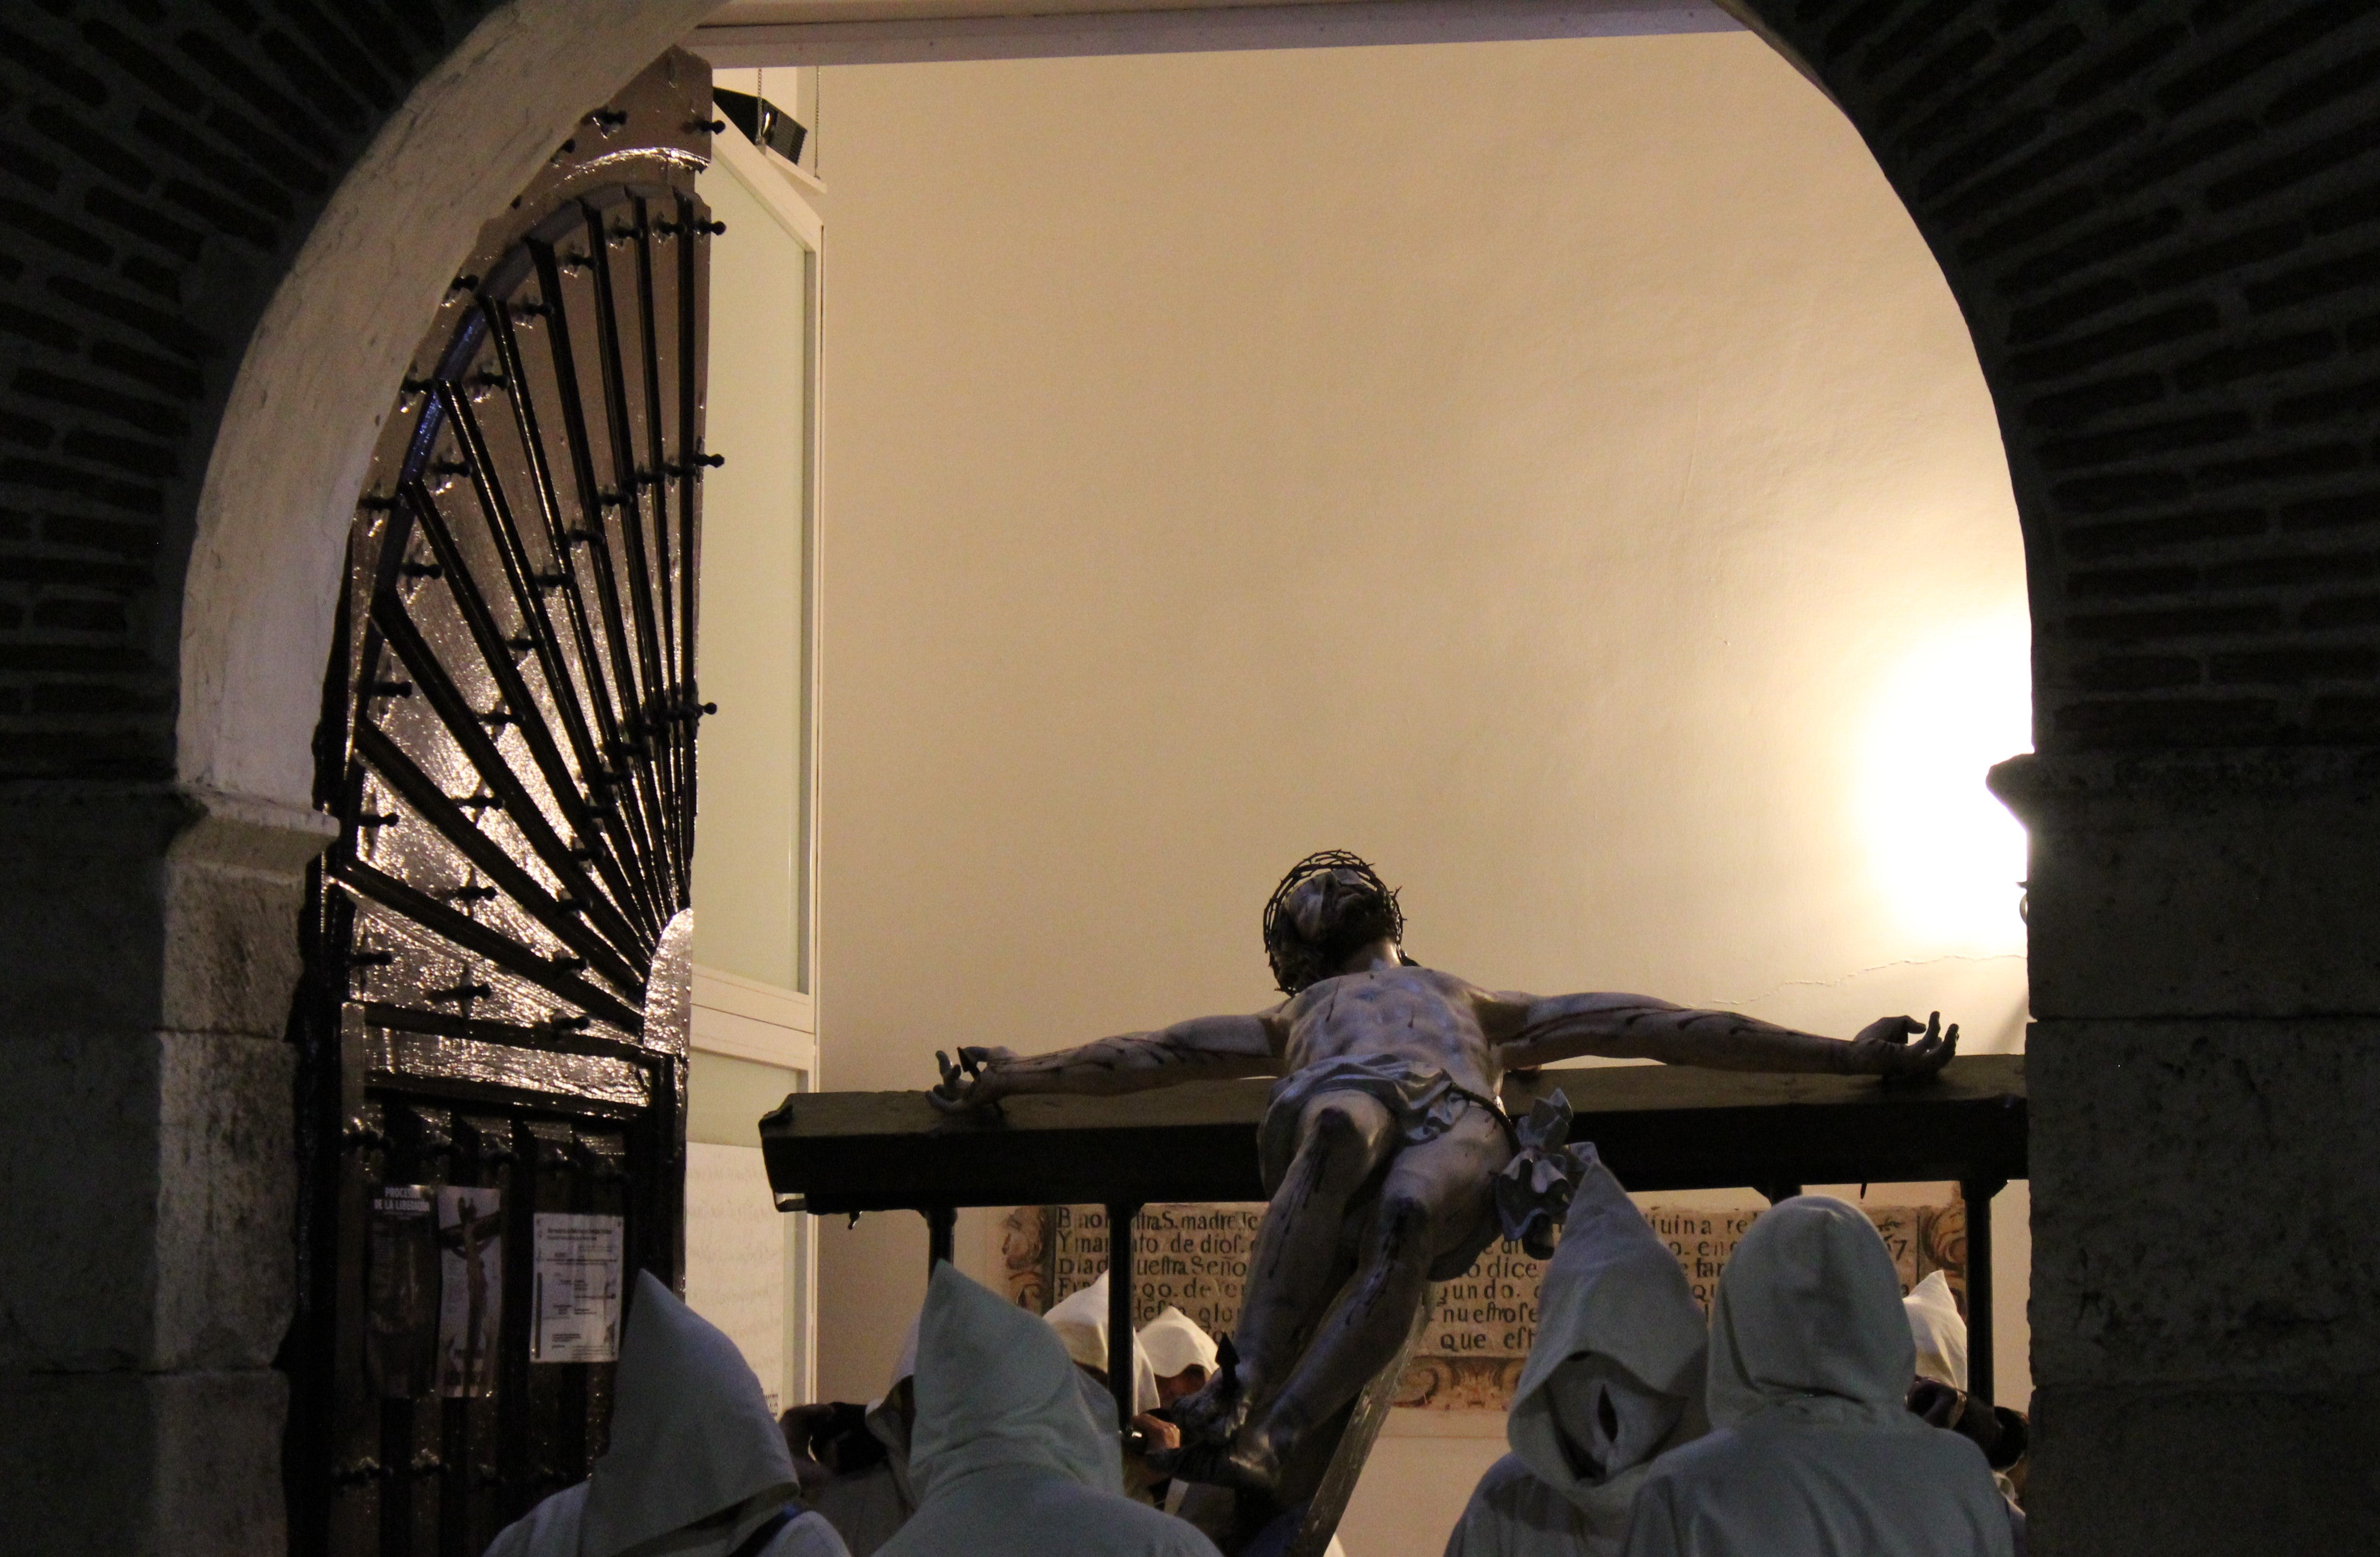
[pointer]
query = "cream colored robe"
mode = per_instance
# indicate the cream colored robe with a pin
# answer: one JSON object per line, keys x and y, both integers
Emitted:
{"x": 1813, "y": 1452}
{"x": 696, "y": 1464}
{"x": 1012, "y": 1455}
{"x": 1614, "y": 1378}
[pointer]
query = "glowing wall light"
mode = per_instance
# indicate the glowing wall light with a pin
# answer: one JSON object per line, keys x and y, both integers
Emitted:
{"x": 1948, "y": 856}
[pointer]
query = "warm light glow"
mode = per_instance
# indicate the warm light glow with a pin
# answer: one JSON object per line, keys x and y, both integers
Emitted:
{"x": 1947, "y": 855}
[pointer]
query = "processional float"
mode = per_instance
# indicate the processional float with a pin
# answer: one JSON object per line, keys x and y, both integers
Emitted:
{"x": 1657, "y": 1128}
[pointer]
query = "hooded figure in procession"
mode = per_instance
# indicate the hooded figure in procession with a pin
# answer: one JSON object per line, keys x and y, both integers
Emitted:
{"x": 1012, "y": 1455}
{"x": 696, "y": 1466}
{"x": 1940, "y": 1332}
{"x": 1181, "y": 1355}
{"x": 1813, "y": 1452}
{"x": 1937, "y": 1331}
{"x": 1081, "y": 1323}
{"x": 1614, "y": 1378}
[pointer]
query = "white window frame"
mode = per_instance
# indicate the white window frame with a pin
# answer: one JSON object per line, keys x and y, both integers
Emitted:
{"x": 742, "y": 1017}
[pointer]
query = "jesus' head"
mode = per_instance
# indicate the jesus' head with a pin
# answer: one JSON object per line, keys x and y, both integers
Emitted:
{"x": 1328, "y": 907}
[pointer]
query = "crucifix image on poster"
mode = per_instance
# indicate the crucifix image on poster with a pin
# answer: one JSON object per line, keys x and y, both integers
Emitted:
{"x": 471, "y": 1288}
{"x": 1386, "y": 1151}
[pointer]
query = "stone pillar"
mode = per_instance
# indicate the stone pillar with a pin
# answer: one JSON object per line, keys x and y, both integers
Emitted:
{"x": 2204, "y": 1071}
{"x": 147, "y": 1160}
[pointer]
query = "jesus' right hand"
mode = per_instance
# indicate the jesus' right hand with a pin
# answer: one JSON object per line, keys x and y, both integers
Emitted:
{"x": 975, "y": 1083}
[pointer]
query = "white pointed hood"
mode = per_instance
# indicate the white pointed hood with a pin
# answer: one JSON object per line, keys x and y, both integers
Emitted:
{"x": 1808, "y": 1317}
{"x": 1081, "y": 1321}
{"x": 995, "y": 1388}
{"x": 691, "y": 1433}
{"x": 1614, "y": 1378}
{"x": 1173, "y": 1343}
{"x": 1937, "y": 1331}
{"x": 1616, "y": 1316}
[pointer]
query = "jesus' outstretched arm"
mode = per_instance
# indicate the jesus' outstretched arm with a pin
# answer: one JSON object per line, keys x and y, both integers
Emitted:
{"x": 1531, "y": 1031}
{"x": 1202, "y": 1049}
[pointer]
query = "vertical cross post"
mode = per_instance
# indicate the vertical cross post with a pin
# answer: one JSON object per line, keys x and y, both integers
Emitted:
{"x": 941, "y": 1226}
{"x": 1121, "y": 1374}
{"x": 1977, "y": 1193}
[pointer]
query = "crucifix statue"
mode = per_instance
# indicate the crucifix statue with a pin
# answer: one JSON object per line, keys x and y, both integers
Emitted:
{"x": 1388, "y": 1159}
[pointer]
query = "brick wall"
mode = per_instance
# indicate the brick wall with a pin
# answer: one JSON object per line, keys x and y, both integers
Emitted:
{"x": 2163, "y": 220}
{"x": 164, "y": 168}
{"x": 159, "y": 166}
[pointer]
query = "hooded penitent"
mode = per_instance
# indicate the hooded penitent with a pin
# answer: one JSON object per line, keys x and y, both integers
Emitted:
{"x": 1081, "y": 1323}
{"x": 1812, "y": 1452}
{"x": 695, "y": 1456}
{"x": 1010, "y": 1455}
{"x": 1614, "y": 1378}
{"x": 1173, "y": 1343}
{"x": 1937, "y": 1331}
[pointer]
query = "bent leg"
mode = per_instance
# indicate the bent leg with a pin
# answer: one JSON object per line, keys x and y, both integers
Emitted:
{"x": 1434, "y": 1199}
{"x": 1342, "y": 1139}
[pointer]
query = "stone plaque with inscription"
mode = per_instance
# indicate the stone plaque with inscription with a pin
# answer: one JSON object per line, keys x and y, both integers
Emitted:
{"x": 1482, "y": 1322}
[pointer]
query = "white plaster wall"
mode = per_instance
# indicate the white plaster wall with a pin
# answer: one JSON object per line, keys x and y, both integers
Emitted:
{"x": 736, "y": 1259}
{"x": 1528, "y": 464}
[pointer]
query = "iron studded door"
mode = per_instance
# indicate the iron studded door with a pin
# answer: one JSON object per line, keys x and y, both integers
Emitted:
{"x": 493, "y": 1031}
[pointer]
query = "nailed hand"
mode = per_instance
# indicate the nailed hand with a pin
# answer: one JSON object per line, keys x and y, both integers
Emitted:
{"x": 1883, "y": 1047}
{"x": 975, "y": 1082}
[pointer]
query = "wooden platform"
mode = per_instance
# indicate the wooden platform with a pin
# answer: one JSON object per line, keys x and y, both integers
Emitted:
{"x": 1657, "y": 1128}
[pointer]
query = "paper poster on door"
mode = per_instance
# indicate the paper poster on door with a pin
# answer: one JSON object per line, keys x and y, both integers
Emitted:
{"x": 471, "y": 1288}
{"x": 401, "y": 1292}
{"x": 578, "y": 1287}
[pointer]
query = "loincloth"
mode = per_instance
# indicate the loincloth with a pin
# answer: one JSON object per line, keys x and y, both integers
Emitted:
{"x": 1424, "y": 1102}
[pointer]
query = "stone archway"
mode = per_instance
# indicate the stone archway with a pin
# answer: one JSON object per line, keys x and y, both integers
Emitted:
{"x": 298, "y": 430}
{"x": 2160, "y": 220}
{"x": 302, "y": 192}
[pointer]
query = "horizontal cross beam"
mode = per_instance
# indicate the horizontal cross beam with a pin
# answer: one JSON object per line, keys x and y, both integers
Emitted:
{"x": 1656, "y": 1127}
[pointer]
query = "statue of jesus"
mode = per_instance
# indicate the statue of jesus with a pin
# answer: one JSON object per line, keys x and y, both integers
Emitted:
{"x": 1383, "y": 1136}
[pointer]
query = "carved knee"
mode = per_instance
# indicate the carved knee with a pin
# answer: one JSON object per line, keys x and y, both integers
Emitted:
{"x": 1338, "y": 1142}
{"x": 1401, "y": 1229}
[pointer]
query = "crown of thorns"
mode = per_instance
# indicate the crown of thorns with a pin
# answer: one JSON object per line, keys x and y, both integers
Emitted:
{"x": 1296, "y": 963}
